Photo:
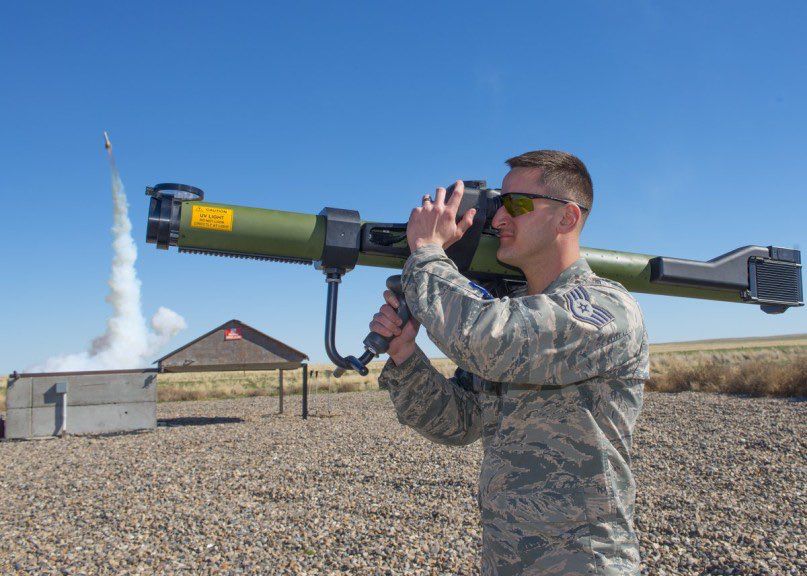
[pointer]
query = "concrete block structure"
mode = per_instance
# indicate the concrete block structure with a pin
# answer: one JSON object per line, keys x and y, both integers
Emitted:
{"x": 50, "y": 404}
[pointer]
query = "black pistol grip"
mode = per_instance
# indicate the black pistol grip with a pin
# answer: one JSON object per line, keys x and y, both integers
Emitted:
{"x": 396, "y": 287}
{"x": 376, "y": 342}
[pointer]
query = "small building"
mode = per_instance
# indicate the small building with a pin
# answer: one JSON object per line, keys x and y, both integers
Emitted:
{"x": 232, "y": 346}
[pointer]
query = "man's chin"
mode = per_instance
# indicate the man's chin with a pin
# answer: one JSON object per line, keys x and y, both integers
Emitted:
{"x": 503, "y": 256}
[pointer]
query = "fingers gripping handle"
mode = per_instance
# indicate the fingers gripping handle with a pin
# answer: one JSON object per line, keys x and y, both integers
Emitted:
{"x": 376, "y": 343}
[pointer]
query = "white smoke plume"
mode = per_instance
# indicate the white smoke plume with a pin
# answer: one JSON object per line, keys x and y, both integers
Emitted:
{"x": 127, "y": 342}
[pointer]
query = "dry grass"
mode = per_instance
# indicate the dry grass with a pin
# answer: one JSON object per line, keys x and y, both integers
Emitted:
{"x": 774, "y": 366}
{"x": 753, "y": 368}
{"x": 214, "y": 385}
{"x": 775, "y": 371}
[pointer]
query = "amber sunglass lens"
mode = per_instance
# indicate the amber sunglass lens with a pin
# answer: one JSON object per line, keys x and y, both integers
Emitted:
{"x": 516, "y": 205}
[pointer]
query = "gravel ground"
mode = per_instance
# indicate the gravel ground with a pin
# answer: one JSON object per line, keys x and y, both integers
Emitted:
{"x": 229, "y": 487}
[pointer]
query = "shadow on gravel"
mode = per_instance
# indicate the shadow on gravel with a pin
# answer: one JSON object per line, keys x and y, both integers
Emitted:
{"x": 197, "y": 421}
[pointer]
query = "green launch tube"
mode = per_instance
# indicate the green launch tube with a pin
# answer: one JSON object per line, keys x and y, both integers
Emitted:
{"x": 337, "y": 240}
{"x": 254, "y": 231}
{"x": 292, "y": 236}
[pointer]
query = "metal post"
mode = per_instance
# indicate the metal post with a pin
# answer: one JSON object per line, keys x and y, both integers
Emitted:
{"x": 280, "y": 384}
{"x": 61, "y": 389}
{"x": 330, "y": 391}
{"x": 305, "y": 391}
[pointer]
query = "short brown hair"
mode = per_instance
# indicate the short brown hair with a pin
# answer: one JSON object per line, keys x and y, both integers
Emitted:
{"x": 564, "y": 174}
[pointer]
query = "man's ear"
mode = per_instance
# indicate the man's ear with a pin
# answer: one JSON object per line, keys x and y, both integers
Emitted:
{"x": 571, "y": 218}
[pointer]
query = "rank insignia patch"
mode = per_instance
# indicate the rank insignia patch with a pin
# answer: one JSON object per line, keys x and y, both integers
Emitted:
{"x": 578, "y": 301}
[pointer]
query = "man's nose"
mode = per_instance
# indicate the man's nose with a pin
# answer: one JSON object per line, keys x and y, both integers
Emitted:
{"x": 501, "y": 218}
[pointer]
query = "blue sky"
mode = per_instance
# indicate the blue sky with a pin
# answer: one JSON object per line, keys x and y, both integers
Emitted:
{"x": 689, "y": 115}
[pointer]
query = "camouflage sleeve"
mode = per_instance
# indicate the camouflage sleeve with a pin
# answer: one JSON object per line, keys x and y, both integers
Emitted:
{"x": 443, "y": 410}
{"x": 550, "y": 339}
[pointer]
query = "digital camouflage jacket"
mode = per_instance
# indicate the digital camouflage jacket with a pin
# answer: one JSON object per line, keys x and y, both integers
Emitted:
{"x": 552, "y": 385}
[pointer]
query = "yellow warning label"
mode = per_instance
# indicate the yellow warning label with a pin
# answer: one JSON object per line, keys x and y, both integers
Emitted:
{"x": 212, "y": 218}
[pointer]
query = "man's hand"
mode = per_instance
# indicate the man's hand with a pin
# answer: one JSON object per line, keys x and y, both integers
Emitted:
{"x": 436, "y": 222}
{"x": 387, "y": 323}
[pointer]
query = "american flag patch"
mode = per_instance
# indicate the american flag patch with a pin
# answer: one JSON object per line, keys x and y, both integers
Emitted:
{"x": 578, "y": 301}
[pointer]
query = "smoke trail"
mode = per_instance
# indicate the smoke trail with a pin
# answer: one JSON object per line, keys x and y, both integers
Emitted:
{"x": 127, "y": 342}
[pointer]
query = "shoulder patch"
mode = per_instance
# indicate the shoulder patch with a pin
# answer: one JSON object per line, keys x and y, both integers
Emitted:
{"x": 578, "y": 302}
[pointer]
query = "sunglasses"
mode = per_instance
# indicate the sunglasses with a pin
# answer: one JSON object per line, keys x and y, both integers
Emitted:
{"x": 518, "y": 203}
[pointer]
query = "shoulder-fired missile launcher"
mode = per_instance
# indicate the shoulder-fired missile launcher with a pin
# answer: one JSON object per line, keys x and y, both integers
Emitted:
{"x": 337, "y": 240}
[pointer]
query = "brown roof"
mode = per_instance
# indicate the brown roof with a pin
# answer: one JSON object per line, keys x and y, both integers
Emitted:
{"x": 229, "y": 323}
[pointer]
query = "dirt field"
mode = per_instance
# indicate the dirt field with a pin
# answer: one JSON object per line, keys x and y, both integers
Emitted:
{"x": 785, "y": 341}
{"x": 230, "y": 487}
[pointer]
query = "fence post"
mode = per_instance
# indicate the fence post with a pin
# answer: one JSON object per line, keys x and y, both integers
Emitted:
{"x": 305, "y": 391}
{"x": 280, "y": 384}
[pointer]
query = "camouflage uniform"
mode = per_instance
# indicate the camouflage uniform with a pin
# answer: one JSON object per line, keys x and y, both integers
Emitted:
{"x": 552, "y": 384}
